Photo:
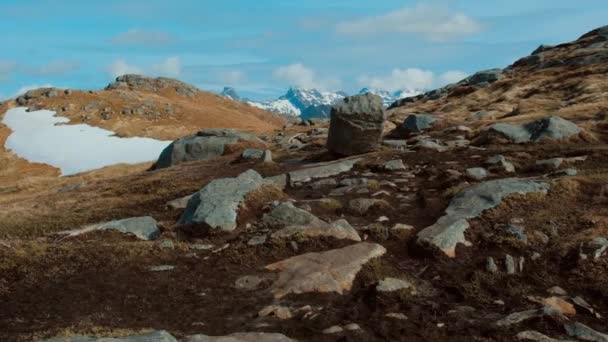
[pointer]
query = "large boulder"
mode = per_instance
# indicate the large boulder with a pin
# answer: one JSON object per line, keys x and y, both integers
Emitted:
{"x": 416, "y": 123}
{"x": 449, "y": 230}
{"x": 552, "y": 127}
{"x": 356, "y": 125}
{"x": 206, "y": 144}
{"x": 217, "y": 203}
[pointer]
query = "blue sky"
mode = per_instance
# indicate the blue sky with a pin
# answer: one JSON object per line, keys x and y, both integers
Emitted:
{"x": 262, "y": 47}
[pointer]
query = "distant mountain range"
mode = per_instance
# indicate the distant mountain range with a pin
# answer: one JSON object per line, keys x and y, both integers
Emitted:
{"x": 312, "y": 103}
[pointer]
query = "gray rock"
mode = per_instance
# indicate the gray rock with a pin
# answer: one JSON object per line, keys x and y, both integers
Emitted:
{"x": 248, "y": 282}
{"x": 252, "y": 153}
{"x": 336, "y": 329}
{"x": 416, "y": 123}
{"x": 477, "y": 173}
{"x": 480, "y": 115}
{"x": 510, "y": 264}
{"x": 206, "y": 144}
{"x": 518, "y": 317}
{"x": 217, "y": 203}
{"x": 179, "y": 203}
{"x": 518, "y": 232}
{"x": 267, "y": 156}
{"x": 257, "y": 240}
{"x": 280, "y": 181}
{"x": 583, "y": 332}
{"x": 322, "y": 170}
{"x": 362, "y": 205}
{"x": 241, "y": 337}
{"x": 550, "y": 164}
{"x": 339, "y": 229}
{"x": 324, "y": 183}
{"x": 569, "y": 172}
{"x": 552, "y": 127}
{"x": 394, "y": 165}
{"x": 354, "y": 181}
{"x": 483, "y": 78}
{"x": 155, "y": 336}
{"x": 396, "y": 144}
{"x": 356, "y": 125}
{"x": 530, "y": 335}
{"x": 499, "y": 161}
{"x": 286, "y": 214}
{"x": 597, "y": 247}
{"x": 393, "y": 284}
{"x": 144, "y": 228}
{"x": 449, "y": 230}
{"x": 429, "y": 144}
{"x": 491, "y": 265}
{"x": 161, "y": 268}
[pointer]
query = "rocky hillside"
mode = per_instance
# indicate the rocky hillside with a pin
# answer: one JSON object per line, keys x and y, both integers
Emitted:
{"x": 132, "y": 106}
{"x": 158, "y": 108}
{"x": 440, "y": 227}
{"x": 568, "y": 80}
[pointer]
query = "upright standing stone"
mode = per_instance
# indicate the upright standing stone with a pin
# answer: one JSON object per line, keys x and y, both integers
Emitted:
{"x": 356, "y": 125}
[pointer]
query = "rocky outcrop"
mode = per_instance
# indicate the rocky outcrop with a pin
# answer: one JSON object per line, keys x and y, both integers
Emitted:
{"x": 217, "y": 203}
{"x": 331, "y": 271}
{"x": 416, "y": 123}
{"x": 322, "y": 170}
{"x": 206, "y": 144}
{"x": 143, "y": 83}
{"x": 356, "y": 125}
{"x": 449, "y": 230}
{"x": 552, "y": 127}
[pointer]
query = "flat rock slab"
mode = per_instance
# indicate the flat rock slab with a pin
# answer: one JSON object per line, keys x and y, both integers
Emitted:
{"x": 217, "y": 203}
{"x": 553, "y": 127}
{"x": 144, "y": 228}
{"x": 449, "y": 230}
{"x": 322, "y": 170}
{"x": 155, "y": 336}
{"x": 331, "y": 271}
{"x": 241, "y": 337}
{"x": 340, "y": 230}
{"x": 286, "y": 214}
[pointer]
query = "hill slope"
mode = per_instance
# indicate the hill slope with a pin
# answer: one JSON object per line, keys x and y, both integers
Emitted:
{"x": 134, "y": 106}
{"x": 567, "y": 80}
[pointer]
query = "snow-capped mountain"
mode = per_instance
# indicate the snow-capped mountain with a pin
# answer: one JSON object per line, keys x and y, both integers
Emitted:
{"x": 305, "y": 103}
{"x": 390, "y": 97}
{"x": 230, "y": 93}
{"x": 312, "y": 103}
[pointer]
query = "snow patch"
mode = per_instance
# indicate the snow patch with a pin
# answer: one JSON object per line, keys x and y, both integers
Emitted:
{"x": 38, "y": 136}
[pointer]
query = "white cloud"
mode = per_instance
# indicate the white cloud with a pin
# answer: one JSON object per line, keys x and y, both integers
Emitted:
{"x": 142, "y": 37}
{"x": 58, "y": 67}
{"x": 432, "y": 21}
{"x": 232, "y": 77}
{"x": 410, "y": 79}
{"x": 452, "y": 76}
{"x": 6, "y": 68}
{"x": 170, "y": 67}
{"x": 121, "y": 67}
{"x": 301, "y": 76}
